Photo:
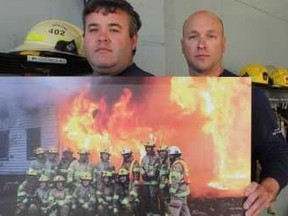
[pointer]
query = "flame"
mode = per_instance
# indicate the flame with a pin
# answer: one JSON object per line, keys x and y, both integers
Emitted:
{"x": 219, "y": 100}
{"x": 198, "y": 115}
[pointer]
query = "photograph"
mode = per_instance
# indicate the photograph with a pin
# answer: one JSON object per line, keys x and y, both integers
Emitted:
{"x": 124, "y": 146}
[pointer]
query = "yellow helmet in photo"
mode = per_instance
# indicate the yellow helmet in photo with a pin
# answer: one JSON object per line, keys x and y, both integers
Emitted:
{"x": 86, "y": 176}
{"x": 53, "y": 150}
{"x": 31, "y": 172}
{"x": 257, "y": 72}
{"x": 58, "y": 178}
{"x": 163, "y": 148}
{"x": 54, "y": 36}
{"x": 123, "y": 172}
{"x": 43, "y": 178}
{"x": 279, "y": 77}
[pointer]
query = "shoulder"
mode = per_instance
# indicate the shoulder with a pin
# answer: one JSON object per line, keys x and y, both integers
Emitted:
{"x": 226, "y": 73}
{"x": 134, "y": 70}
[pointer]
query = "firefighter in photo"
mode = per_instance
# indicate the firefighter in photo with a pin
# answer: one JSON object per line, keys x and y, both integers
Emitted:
{"x": 59, "y": 198}
{"x": 126, "y": 195}
{"x": 39, "y": 162}
{"x": 103, "y": 165}
{"x": 77, "y": 167}
{"x": 132, "y": 165}
{"x": 150, "y": 176}
{"x": 66, "y": 159}
{"x": 164, "y": 179}
{"x": 179, "y": 183}
{"x": 84, "y": 196}
{"x": 51, "y": 164}
{"x": 105, "y": 195}
{"x": 26, "y": 199}
{"x": 42, "y": 194}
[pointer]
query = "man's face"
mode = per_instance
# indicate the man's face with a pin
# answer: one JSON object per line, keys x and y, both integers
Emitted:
{"x": 107, "y": 42}
{"x": 203, "y": 43}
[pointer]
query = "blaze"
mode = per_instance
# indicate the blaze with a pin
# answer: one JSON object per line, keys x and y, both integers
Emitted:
{"x": 207, "y": 118}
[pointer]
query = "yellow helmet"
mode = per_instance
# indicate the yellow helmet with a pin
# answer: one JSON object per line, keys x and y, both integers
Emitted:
{"x": 58, "y": 178}
{"x": 54, "y": 36}
{"x": 107, "y": 173}
{"x": 53, "y": 150}
{"x": 31, "y": 172}
{"x": 123, "y": 172}
{"x": 43, "y": 178}
{"x": 257, "y": 72}
{"x": 279, "y": 77}
{"x": 39, "y": 150}
{"x": 86, "y": 176}
{"x": 163, "y": 148}
{"x": 83, "y": 151}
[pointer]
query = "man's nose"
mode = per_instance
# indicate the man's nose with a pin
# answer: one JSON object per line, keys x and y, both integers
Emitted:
{"x": 202, "y": 43}
{"x": 103, "y": 37}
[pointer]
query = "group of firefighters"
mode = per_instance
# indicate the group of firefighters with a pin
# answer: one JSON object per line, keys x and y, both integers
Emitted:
{"x": 159, "y": 185}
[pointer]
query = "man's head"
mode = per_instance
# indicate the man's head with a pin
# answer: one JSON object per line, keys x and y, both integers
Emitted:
{"x": 110, "y": 35}
{"x": 203, "y": 44}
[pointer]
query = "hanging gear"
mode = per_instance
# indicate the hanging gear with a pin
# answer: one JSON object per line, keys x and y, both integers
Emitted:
{"x": 54, "y": 36}
{"x": 257, "y": 72}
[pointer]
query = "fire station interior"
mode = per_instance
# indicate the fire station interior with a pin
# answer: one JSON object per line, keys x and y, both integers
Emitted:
{"x": 256, "y": 32}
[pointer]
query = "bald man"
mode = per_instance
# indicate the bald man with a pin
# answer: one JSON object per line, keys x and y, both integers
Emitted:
{"x": 203, "y": 46}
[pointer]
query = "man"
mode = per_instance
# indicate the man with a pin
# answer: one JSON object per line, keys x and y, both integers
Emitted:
{"x": 203, "y": 45}
{"x": 179, "y": 183}
{"x": 66, "y": 159}
{"x": 164, "y": 172}
{"x": 126, "y": 195}
{"x": 131, "y": 165}
{"x": 110, "y": 37}
{"x": 103, "y": 165}
{"x": 39, "y": 162}
{"x": 26, "y": 197}
{"x": 77, "y": 167}
{"x": 51, "y": 164}
{"x": 84, "y": 196}
{"x": 150, "y": 176}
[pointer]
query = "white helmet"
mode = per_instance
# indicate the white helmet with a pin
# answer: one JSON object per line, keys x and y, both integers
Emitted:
{"x": 174, "y": 150}
{"x": 126, "y": 150}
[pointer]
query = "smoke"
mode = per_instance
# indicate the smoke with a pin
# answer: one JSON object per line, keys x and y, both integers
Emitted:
{"x": 32, "y": 92}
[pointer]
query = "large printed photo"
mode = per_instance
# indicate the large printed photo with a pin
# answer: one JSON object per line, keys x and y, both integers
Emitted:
{"x": 124, "y": 146}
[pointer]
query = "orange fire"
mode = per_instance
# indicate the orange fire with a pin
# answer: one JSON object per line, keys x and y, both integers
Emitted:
{"x": 207, "y": 118}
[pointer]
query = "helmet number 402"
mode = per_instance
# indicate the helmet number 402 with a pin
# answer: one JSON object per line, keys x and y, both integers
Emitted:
{"x": 57, "y": 31}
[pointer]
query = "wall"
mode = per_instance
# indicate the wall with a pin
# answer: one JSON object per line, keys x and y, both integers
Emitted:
{"x": 256, "y": 31}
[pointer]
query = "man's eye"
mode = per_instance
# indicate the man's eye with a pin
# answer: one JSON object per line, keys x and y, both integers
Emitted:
{"x": 192, "y": 37}
{"x": 92, "y": 29}
{"x": 212, "y": 36}
{"x": 114, "y": 30}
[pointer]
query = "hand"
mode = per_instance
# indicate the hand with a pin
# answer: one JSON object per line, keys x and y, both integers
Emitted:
{"x": 259, "y": 196}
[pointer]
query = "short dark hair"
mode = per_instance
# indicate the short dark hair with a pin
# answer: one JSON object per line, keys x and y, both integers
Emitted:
{"x": 110, "y": 6}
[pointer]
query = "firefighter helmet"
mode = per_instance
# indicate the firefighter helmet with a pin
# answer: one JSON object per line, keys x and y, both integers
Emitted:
{"x": 83, "y": 151}
{"x": 163, "y": 148}
{"x": 53, "y": 150}
{"x": 174, "y": 150}
{"x": 107, "y": 173}
{"x": 279, "y": 77}
{"x": 58, "y": 178}
{"x": 31, "y": 172}
{"x": 105, "y": 151}
{"x": 54, "y": 36}
{"x": 86, "y": 176}
{"x": 257, "y": 72}
{"x": 39, "y": 150}
{"x": 126, "y": 150}
{"x": 43, "y": 178}
{"x": 123, "y": 172}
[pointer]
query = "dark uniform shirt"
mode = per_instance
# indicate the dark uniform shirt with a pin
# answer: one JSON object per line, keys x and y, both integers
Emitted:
{"x": 268, "y": 144}
{"x": 134, "y": 70}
